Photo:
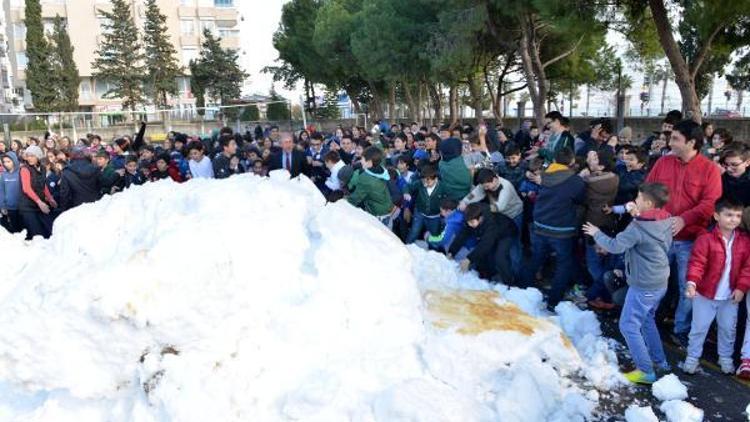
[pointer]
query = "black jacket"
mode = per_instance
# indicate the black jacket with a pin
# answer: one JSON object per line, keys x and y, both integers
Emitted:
{"x": 299, "y": 163}
{"x": 79, "y": 184}
{"x": 221, "y": 167}
{"x": 494, "y": 226}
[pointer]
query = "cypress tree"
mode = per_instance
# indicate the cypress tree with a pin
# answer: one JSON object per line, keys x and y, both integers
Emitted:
{"x": 64, "y": 68}
{"x": 216, "y": 72}
{"x": 119, "y": 58}
{"x": 161, "y": 57}
{"x": 38, "y": 69}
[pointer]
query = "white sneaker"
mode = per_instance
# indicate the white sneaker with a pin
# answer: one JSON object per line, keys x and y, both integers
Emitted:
{"x": 690, "y": 366}
{"x": 727, "y": 365}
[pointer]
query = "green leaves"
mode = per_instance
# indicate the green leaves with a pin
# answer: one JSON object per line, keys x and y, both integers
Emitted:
{"x": 120, "y": 57}
{"x": 160, "y": 56}
{"x": 39, "y": 67}
{"x": 216, "y": 73}
{"x": 65, "y": 77}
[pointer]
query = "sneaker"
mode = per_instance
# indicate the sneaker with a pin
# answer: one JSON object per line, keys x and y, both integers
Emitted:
{"x": 639, "y": 377}
{"x": 577, "y": 294}
{"x": 743, "y": 371}
{"x": 679, "y": 339}
{"x": 601, "y": 305}
{"x": 690, "y": 366}
{"x": 662, "y": 369}
{"x": 727, "y": 365}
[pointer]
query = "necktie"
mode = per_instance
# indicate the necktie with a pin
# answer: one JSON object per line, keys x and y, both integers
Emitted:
{"x": 288, "y": 162}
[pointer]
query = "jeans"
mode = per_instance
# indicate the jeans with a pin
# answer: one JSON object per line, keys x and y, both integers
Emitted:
{"x": 37, "y": 224}
{"x": 421, "y": 221}
{"x": 679, "y": 254}
{"x": 746, "y": 342}
{"x": 704, "y": 312}
{"x": 516, "y": 248}
{"x": 598, "y": 265}
{"x": 638, "y": 326}
{"x": 541, "y": 247}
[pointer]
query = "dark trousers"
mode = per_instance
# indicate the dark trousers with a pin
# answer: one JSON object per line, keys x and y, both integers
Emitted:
{"x": 12, "y": 221}
{"x": 37, "y": 224}
{"x": 541, "y": 247}
{"x": 496, "y": 265}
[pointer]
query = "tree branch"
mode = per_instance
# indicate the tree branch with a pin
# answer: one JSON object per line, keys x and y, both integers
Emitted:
{"x": 563, "y": 55}
{"x": 703, "y": 53}
{"x": 510, "y": 91}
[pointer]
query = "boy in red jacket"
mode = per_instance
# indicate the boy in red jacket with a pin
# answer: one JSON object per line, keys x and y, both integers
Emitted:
{"x": 718, "y": 278}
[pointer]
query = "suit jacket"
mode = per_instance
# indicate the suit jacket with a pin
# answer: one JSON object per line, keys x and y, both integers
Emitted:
{"x": 299, "y": 163}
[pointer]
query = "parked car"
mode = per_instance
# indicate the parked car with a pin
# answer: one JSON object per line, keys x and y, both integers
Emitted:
{"x": 727, "y": 114}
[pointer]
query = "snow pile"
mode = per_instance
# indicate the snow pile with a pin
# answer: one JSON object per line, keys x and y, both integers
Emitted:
{"x": 669, "y": 387}
{"x": 251, "y": 299}
{"x": 681, "y": 411}
{"x": 640, "y": 414}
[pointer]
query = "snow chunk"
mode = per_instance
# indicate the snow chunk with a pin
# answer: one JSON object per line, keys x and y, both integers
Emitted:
{"x": 669, "y": 387}
{"x": 681, "y": 411}
{"x": 640, "y": 414}
{"x": 253, "y": 299}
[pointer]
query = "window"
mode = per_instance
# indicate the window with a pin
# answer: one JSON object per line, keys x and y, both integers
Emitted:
{"x": 19, "y": 31}
{"x": 225, "y": 32}
{"x": 21, "y": 60}
{"x": 188, "y": 54}
{"x": 208, "y": 24}
{"x": 85, "y": 89}
{"x": 187, "y": 26}
{"x": 224, "y": 3}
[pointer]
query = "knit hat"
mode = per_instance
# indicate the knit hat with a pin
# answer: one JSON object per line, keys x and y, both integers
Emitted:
{"x": 450, "y": 149}
{"x": 35, "y": 151}
{"x": 420, "y": 154}
{"x": 626, "y": 132}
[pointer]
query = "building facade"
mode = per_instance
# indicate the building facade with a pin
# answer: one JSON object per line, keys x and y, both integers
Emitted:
{"x": 186, "y": 20}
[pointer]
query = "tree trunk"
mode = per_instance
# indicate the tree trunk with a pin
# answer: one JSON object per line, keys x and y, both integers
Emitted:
{"x": 392, "y": 100}
{"x": 739, "y": 100}
{"x": 411, "y": 101}
{"x": 683, "y": 76}
{"x": 437, "y": 100}
{"x": 664, "y": 93}
{"x": 453, "y": 100}
{"x": 475, "y": 90}
{"x": 420, "y": 97}
{"x": 376, "y": 106}
{"x": 533, "y": 71}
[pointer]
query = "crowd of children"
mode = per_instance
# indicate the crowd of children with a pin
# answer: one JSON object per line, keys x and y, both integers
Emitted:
{"x": 623, "y": 219}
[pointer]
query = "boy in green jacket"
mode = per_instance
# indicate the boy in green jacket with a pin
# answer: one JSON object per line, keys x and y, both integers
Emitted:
{"x": 428, "y": 193}
{"x": 454, "y": 174}
{"x": 369, "y": 187}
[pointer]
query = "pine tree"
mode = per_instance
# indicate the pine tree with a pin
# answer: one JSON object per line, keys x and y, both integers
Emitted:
{"x": 216, "y": 72}
{"x": 278, "y": 108}
{"x": 38, "y": 69}
{"x": 330, "y": 109}
{"x": 64, "y": 69}
{"x": 161, "y": 57}
{"x": 119, "y": 58}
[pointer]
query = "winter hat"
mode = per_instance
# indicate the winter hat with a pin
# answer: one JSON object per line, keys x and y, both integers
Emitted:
{"x": 450, "y": 149}
{"x": 35, "y": 151}
{"x": 345, "y": 174}
{"x": 78, "y": 153}
{"x": 420, "y": 154}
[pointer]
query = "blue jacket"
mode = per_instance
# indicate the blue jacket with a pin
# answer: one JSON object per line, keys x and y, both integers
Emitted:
{"x": 627, "y": 190}
{"x": 556, "y": 212}
{"x": 453, "y": 224}
{"x": 10, "y": 185}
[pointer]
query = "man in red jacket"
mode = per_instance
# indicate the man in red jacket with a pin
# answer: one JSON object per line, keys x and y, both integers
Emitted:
{"x": 694, "y": 184}
{"x": 718, "y": 278}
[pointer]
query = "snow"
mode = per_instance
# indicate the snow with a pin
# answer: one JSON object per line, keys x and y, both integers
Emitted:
{"x": 681, "y": 411}
{"x": 747, "y": 411}
{"x": 640, "y": 414}
{"x": 669, "y": 387}
{"x": 251, "y": 299}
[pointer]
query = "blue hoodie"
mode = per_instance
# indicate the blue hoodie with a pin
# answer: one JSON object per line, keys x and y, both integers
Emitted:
{"x": 10, "y": 185}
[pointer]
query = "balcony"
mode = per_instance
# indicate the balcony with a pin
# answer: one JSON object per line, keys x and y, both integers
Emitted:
{"x": 186, "y": 12}
{"x": 52, "y": 10}
{"x": 226, "y": 14}
{"x": 231, "y": 42}
{"x": 17, "y": 15}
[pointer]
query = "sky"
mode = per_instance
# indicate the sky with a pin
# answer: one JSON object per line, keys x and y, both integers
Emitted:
{"x": 261, "y": 19}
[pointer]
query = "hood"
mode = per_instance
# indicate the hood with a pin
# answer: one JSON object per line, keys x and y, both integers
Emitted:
{"x": 450, "y": 149}
{"x": 455, "y": 217}
{"x": 656, "y": 229}
{"x": 83, "y": 169}
{"x": 13, "y": 157}
{"x": 603, "y": 184}
{"x": 555, "y": 175}
{"x": 379, "y": 173}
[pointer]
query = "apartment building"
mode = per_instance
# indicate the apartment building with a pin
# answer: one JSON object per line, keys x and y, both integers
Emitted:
{"x": 186, "y": 20}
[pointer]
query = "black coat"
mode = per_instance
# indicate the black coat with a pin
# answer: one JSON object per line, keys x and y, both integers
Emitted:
{"x": 494, "y": 226}
{"x": 79, "y": 184}
{"x": 299, "y": 163}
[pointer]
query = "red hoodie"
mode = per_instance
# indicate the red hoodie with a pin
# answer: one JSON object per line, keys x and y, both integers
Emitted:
{"x": 694, "y": 188}
{"x": 707, "y": 262}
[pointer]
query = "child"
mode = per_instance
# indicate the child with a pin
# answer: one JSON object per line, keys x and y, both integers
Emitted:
{"x": 334, "y": 164}
{"x": 514, "y": 168}
{"x": 131, "y": 175}
{"x": 645, "y": 243}
{"x": 454, "y": 220}
{"x": 453, "y": 171}
{"x": 258, "y": 168}
{"x": 631, "y": 174}
{"x": 164, "y": 168}
{"x": 428, "y": 193}
{"x": 494, "y": 233}
{"x": 370, "y": 187}
{"x": 108, "y": 177}
{"x": 200, "y": 165}
{"x": 718, "y": 278}
{"x": 735, "y": 182}
{"x": 531, "y": 183}
{"x": 477, "y": 157}
{"x": 10, "y": 191}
